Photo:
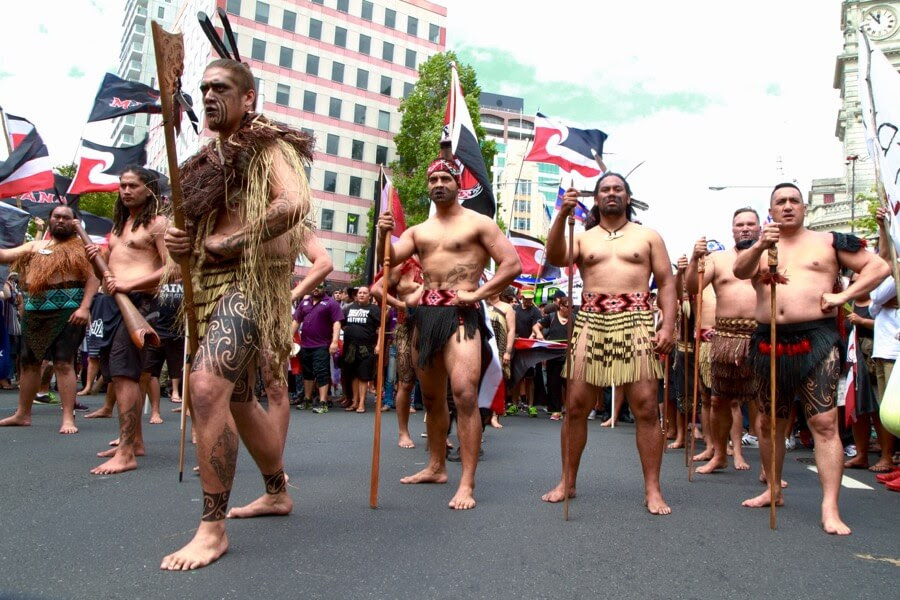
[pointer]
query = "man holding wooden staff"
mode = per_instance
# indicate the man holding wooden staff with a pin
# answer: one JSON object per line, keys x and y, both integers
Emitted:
{"x": 613, "y": 342}
{"x": 136, "y": 264}
{"x": 808, "y": 343}
{"x": 449, "y": 333}
{"x": 246, "y": 197}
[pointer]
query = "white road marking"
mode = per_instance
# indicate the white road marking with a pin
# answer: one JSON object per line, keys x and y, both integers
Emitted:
{"x": 847, "y": 482}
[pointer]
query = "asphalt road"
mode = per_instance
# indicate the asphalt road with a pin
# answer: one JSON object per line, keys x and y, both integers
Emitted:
{"x": 68, "y": 534}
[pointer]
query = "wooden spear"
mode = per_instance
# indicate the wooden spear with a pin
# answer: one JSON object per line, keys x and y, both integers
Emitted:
{"x": 701, "y": 267}
{"x": 569, "y": 364}
{"x": 379, "y": 381}
{"x": 774, "y": 482}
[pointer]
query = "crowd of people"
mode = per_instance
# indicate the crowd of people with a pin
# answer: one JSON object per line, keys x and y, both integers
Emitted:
{"x": 314, "y": 347}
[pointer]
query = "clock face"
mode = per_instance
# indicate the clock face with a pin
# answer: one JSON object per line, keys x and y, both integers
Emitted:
{"x": 880, "y": 22}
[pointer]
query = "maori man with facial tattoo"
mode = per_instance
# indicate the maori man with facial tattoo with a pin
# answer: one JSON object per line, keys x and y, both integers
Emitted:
{"x": 614, "y": 342}
{"x": 449, "y": 334}
{"x": 246, "y": 198}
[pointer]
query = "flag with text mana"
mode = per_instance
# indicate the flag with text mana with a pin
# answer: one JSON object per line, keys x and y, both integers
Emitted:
{"x": 27, "y": 168}
{"x": 18, "y": 128}
{"x": 475, "y": 191}
{"x": 567, "y": 147}
{"x": 99, "y": 166}
{"x": 118, "y": 97}
{"x": 39, "y": 203}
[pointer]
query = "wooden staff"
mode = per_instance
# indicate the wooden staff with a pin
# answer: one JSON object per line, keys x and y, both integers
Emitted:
{"x": 379, "y": 379}
{"x": 698, "y": 318}
{"x": 686, "y": 334}
{"x": 665, "y": 401}
{"x": 570, "y": 359}
{"x": 774, "y": 482}
{"x": 169, "y": 50}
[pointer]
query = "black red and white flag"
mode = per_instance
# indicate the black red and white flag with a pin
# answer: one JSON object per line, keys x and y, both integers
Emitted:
{"x": 117, "y": 97}
{"x": 567, "y": 147}
{"x": 475, "y": 186}
{"x": 532, "y": 255}
{"x": 18, "y": 128}
{"x": 99, "y": 166}
{"x": 27, "y": 168}
{"x": 39, "y": 203}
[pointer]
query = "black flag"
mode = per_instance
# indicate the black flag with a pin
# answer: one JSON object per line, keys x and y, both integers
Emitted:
{"x": 118, "y": 97}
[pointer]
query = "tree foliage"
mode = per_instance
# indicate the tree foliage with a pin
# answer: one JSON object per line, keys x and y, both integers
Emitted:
{"x": 866, "y": 226}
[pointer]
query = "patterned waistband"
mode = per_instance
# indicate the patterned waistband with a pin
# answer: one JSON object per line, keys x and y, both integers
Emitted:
{"x": 55, "y": 299}
{"x": 706, "y": 335}
{"x": 614, "y": 303}
{"x": 735, "y": 328}
{"x": 441, "y": 298}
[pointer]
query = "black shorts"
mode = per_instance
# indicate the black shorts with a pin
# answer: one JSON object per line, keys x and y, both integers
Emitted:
{"x": 47, "y": 335}
{"x": 362, "y": 366}
{"x": 316, "y": 365}
{"x": 171, "y": 351}
{"x": 121, "y": 358}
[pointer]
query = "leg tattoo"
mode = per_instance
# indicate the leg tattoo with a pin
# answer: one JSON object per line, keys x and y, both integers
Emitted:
{"x": 129, "y": 424}
{"x": 214, "y": 505}
{"x": 276, "y": 483}
{"x": 223, "y": 456}
{"x": 231, "y": 339}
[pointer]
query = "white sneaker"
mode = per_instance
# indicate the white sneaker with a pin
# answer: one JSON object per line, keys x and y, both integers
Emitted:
{"x": 850, "y": 451}
{"x": 790, "y": 443}
{"x": 749, "y": 441}
{"x": 593, "y": 415}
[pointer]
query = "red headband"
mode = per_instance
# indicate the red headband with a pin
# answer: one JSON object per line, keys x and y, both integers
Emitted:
{"x": 440, "y": 164}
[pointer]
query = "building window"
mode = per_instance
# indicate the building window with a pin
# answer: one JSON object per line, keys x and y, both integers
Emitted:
{"x": 337, "y": 72}
{"x": 412, "y": 26}
{"x": 381, "y": 155}
{"x": 411, "y": 59}
{"x": 523, "y": 205}
{"x": 309, "y": 101}
{"x": 312, "y": 64}
{"x": 548, "y": 168}
{"x": 315, "y": 29}
{"x": 353, "y": 223}
{"x": 330, "y": 182}
{"x": 320, "y": 2}
{"x": 161, "y": 13}
{"x": 257, "y": 87}
{"x": 355, "y": 187}
{"x": 334, "y": 108}
{"x": 340, "y": 37}
{"x": 356, "y": 150}
{"x": 376, "y": 191}
{"x": 286, "y": 59}
{"x": 390, "y": 18}
{"x": 262, "y": 13}
{"x": 385, "y": 85}
{"x": 434, "y": 34}
{"x": 521, "y": 223}
{"x": 384, "y": 120}
{"x": 407, "y": 89}
{"x": 282, "y": 94}
{"x": 258, "y": 50}
{"x": 523, "y": 187}
{"x": 387, "y": 52}
{"x": 827, "y": 198}
{"x": 349, "y": 258}
{"x": 366, "y": 10}
{"x": 359, "y": 114}
{"x": 233, "y": 6}
{"x": 327, "y": 217}
{"x": 332, "y": 142}
{"x": 289, "y": 23}
{"x": 365, "y": 44}
{"x": 310, "y": 132}
{"x": 343, "y": 5}
{"x": 362, "y": 79}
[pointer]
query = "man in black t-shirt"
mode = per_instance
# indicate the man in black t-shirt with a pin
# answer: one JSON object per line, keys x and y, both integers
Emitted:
{"x": 361, "y": 322}
{"x": 554, "y": 327}
{"x": 527, "y": 314}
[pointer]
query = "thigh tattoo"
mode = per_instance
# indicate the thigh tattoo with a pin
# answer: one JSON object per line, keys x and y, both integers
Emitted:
{"x": 231, "y": 339}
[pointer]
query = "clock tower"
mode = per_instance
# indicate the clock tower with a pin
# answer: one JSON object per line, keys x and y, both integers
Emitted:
{"x": 830, "y": 205}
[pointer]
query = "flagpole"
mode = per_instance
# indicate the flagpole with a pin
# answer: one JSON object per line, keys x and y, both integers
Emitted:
{"x": 882, "y": 193}
{"x": 382, "y": 351}
{"x": 9, "y": 147}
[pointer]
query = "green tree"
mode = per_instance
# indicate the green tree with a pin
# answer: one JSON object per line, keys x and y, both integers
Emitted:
{"x": 96, "y": 203}
{"x": 866, "y": 226}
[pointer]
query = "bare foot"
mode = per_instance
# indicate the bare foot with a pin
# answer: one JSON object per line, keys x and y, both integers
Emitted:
{"x": 68, "y": 427}
{"x": 463, "y": 499}
{"x": 156, "y": 419}
{"x": 763, "y": 500}
{"x": 557, "y": 494}
{"x": 740, "y": 464}
{"x": 832, "y": 523}
{"x": 656, "y": 505}
{"x": 266, "y": 505}
{"x": 764, "y": 479}
{"x": 712, "y": 466}
{"x": 882, "y": 466}
{"x": 412, "y": 411}
{"x": 84, "y": 392}
{"x": 861, "y": 461}
{"x": 16, "y": 420}
{"x": 704, "y": 456}
{"x": 405, "y": 441}
{"x": 607, "y": 423}
{"x": 138, "y": 451}
{"x": 676, "y": 445}
{"x": 495, "y": 422}
{"x": 175, "y": 400}
{"x": 427, "y": 475}
{"x": 209, "y": 544}
{"x": 100, "y": 413}
{"x": 116, "y": 464}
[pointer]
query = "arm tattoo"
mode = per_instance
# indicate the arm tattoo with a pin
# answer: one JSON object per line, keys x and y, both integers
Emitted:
{"x": 282, "y": 215}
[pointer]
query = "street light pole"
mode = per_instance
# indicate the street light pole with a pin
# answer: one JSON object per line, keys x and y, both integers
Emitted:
{"x": 851, "y": 160}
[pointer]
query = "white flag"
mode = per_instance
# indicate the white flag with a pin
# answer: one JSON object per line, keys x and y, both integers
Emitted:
{"x": 883, "y": 110}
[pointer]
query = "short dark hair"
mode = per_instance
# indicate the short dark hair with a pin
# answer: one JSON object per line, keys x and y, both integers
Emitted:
{"x": 786, "y": 184}
{"x": 746, "y": 209}
{"x": 58, "y": 206}
{"x": 241, "y": 73}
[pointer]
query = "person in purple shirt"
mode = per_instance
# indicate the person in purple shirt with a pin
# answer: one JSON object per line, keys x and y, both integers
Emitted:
{"x": 319, "y": 318}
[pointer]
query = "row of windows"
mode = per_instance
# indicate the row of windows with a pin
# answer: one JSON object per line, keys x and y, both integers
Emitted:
{"x": 354, "y": 187}
{"x": 521, "y": 223}
{"x": 335, "y": 107}
{"x": 357, "y": 149}
{"x": 367, "y": 13}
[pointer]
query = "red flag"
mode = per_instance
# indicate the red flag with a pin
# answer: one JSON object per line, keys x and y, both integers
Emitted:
{"x": 27, "y": 169}
{"x": 567, "y": 147}
{"x": 99, "y": 166}
{"x": 18, "y": 128}
{"x": 390, "y": 200}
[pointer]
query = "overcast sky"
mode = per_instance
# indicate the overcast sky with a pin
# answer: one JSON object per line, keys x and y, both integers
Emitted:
{"x": 706, "y": 92}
